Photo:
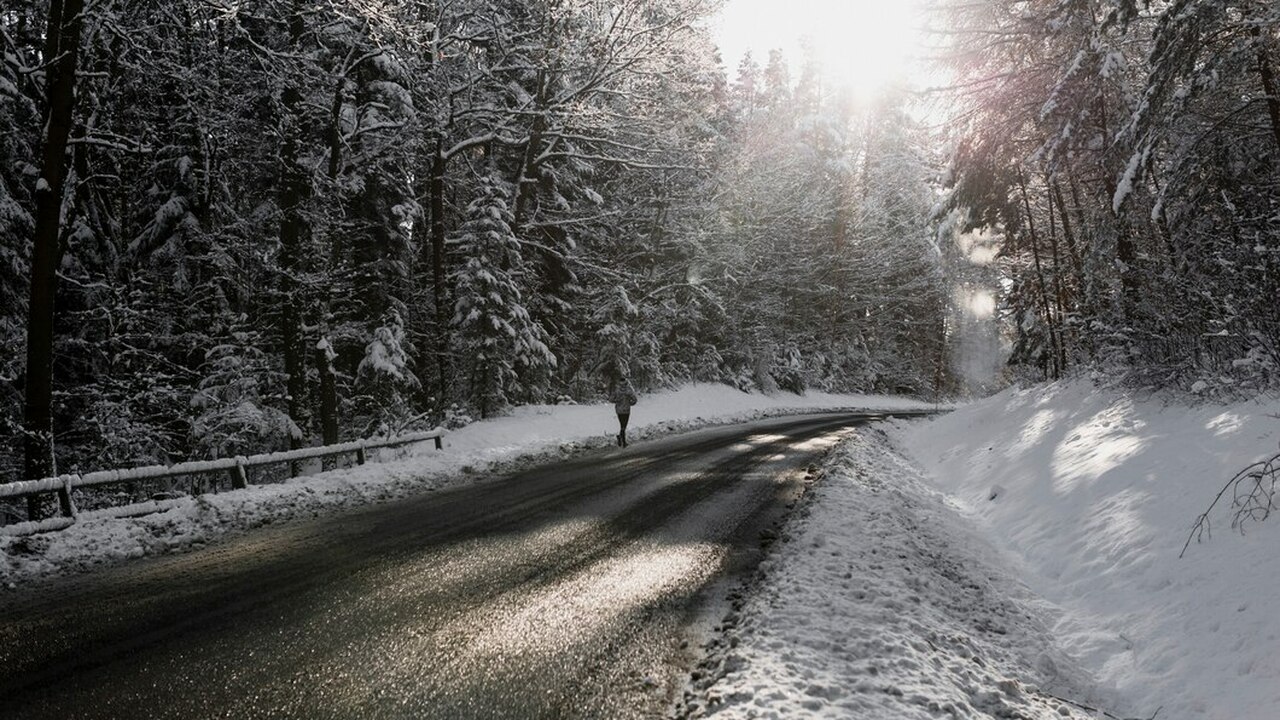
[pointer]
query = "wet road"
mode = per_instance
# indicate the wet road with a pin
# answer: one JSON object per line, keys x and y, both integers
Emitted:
{"x": 564, "y": 591}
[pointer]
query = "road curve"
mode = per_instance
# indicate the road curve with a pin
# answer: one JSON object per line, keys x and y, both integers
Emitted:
{"x": 563, "y": 591}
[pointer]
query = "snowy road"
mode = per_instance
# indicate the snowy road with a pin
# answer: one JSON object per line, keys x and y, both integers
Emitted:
{"x": 568, "y": 590}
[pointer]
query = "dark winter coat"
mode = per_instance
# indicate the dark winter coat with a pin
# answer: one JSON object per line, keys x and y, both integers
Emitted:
{"x": 623, "y": 398}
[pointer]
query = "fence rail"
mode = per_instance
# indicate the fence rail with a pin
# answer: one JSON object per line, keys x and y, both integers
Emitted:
{"x": 234, "y": 467}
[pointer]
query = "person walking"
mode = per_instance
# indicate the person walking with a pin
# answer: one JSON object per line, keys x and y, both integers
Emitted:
{"x": 623, "y": 397}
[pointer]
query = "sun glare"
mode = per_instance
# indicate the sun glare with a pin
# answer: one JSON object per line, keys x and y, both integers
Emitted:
{"x": 864, "y": 45}
{"x": 981, "y": 304}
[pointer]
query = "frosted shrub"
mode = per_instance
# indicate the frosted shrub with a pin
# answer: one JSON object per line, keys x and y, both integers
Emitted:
{"x": 236, "y": 414}
{"x": 384, "y": 377}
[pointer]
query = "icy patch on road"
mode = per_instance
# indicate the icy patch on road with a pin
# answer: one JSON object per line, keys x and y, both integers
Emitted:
{"x": 883, "y": 602}
{"x": 529, "y": 435}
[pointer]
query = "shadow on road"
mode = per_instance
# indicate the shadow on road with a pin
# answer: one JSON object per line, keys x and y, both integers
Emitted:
{"x": 545, "y": 593}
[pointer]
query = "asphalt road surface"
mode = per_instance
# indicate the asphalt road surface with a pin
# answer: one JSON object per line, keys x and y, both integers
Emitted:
{"x": 571, "y": 590}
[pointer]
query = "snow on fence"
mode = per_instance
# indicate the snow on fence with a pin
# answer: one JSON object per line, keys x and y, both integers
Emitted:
{"x": 235, "y": 467}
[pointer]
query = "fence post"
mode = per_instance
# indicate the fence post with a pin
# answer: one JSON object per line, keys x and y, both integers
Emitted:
{"x": 239, "y": 478}
{"x": 360, "y": 453}
{"x": 439, "y": 444}
{"x": 64, "y": 497}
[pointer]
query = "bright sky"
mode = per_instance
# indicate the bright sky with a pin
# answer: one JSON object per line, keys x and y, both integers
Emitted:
{"x": 864, "y": 44}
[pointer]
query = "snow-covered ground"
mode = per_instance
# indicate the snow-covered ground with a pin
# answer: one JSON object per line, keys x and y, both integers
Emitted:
{"x": 1091, "y": 495}
{"x": 884, "y": 603}
{"x": 1020, "y": 549}
{"x": 529, "y": 434}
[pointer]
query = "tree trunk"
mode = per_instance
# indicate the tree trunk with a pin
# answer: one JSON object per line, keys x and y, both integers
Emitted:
{"x": 1176, "y": 261}
{"x": 1087, "y": 300}
{"x": 324, "y": 364}
{"x": 1268, "y": 84}
{"x": 1125, "y": 252}
{"x": 1069, "y": 237}
{"x": 328, "y": 395}
{"x": 1058, "y": 293}
{"x": 526, "y": 181}
{"x": 436, "y": 191}
{"x": 1055, "y": 342}
{"x": 293, "y": 232}
{"x": 62, "y": 50}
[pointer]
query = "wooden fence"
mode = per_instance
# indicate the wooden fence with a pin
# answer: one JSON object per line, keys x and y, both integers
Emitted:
{"x": 236, "y": 469}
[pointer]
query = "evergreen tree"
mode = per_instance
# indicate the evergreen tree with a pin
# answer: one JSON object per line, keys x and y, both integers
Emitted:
{"x": 385, "y": 379}
{"x": 504, "y": 349}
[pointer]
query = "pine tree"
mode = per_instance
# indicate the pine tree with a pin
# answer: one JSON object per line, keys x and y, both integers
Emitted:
{"x": 385, "y": 376}
{"x": 235, "y": 413}
{"x": 504, "y": 349}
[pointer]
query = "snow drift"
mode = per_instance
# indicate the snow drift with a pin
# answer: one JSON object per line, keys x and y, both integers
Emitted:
{"x": 1092, "y": 494}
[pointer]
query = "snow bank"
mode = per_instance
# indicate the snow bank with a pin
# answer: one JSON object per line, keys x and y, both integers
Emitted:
{"x": 1093, "y": 495}
{"x": 529, "y": 433}
{"x": 885, "y": 603}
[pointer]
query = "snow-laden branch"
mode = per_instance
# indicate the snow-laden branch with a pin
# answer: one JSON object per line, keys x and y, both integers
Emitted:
{"x": 624, "y": 162}
{"x": 372, "y": 127}
{"x": 112, "y": 143}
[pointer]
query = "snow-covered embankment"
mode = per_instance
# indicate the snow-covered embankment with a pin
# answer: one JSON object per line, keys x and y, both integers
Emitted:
{"x": 883, "y": 602}
{"x": 1091, "y": 495}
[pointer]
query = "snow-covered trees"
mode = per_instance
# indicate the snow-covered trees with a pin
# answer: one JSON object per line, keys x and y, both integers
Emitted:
{"x": 1127, "y": 154}
{"x": 823, "y": 248}
{"x": 287, "y": 223}
{"x": 234, "y": 414}
{"x": 503, "y": 350}
{"x": 1204, "y": 178}
{"x": 385, "y": 375}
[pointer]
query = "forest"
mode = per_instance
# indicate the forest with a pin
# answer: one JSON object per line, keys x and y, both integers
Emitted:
{"x": 240, "y": 226}
{"x": 1127, "y": 156}
{"x": 284, "y": 223}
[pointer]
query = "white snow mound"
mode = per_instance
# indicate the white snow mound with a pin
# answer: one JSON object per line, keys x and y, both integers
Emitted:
{"x": 1098, "y": 494}
{"x": 885, "y": 603}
